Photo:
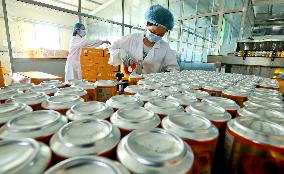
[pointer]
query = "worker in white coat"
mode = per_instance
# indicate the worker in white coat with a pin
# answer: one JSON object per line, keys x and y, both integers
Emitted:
{"x": 148, "y": 47}
{"x": 73, "y": 65}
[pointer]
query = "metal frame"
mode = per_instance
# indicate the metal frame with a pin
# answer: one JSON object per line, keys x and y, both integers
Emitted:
{"x": 244, "y": 14}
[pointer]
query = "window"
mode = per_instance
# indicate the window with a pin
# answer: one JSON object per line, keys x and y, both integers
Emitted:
{"x": 47, "y": 37}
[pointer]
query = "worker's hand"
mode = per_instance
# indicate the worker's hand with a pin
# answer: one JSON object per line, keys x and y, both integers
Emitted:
{"x": 281, "y": 76}
{"x": 106, "y": 42}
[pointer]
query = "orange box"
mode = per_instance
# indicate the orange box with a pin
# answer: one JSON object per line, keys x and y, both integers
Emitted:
{"x": 93, "y": 51}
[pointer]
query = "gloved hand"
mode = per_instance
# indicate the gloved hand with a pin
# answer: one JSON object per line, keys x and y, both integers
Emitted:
{"x": 126, "y": 59}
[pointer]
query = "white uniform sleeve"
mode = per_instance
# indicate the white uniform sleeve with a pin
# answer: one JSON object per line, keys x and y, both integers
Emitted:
{"x": 117, "y": 50}
{"x": 88, "y": 43}
{"x": 170, "y": 61}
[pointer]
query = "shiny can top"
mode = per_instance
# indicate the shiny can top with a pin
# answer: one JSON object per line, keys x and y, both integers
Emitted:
{"x": 124, "y": 101}
{"x": 225, "y": 103}
{"x": 47, "y": 89}
{"x": 147, "y": 95}
{"x": 163, "y": 106}
{"x": 58, "y": 102}
{"x": 72, "y": 90}
{"x": 56, "y": 83}
{"x": 133, "y": 89}
{"x": 8, "y": 111}
{"x": 183, "y": 99}
{"x": 6, "y": 93}
{"x": 21, "y": 86}
{"x": 197, "y": 93}
{"x": 29, "y": 98}
{"x": 105, "y": 83}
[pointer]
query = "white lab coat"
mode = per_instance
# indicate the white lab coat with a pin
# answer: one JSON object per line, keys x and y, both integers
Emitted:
{"x": 73, "y": 65}
{"x": 160, "y": 58}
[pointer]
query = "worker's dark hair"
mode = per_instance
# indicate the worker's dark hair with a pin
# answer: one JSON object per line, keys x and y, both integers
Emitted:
{"x": 150, "y": 24}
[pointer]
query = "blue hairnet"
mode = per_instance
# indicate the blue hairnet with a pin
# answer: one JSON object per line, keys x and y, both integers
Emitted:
{"x": 158, "y": 15}
{"x": 76, "y": 27}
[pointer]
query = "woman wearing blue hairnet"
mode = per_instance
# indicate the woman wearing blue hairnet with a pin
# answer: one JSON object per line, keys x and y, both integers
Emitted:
{"x": 73, "y": 66}
{"x": 148, "y": 47}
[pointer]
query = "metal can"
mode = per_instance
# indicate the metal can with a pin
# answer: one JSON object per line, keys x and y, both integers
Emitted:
{"x": 183, "y": 99}
{"x": 91, "y": 109}
{"x": 266, "y": 92}
{"x": 149, "y": 84}
{"x": 23, "y": 156}
{"x": 164, "y": 107}
{"x": 238, "y": 95}
{"x": 6, "y": 93}
{"x": 200, "y": 95}
{"x": 146, "y": 96}
{"x": 124, "y": 101}
{"x": 200, "y": 134}
{"x": 61, "y": 103}
{"x": 74, "y": 91}
{"x": 75, "y": 82}
{"x": 21, "y": 86}
{"x": 254, "y": 145}
{"x": 166, "y": 91}
{"x": 262, "y": 113}
{"x": 155, "y": 151}
{"x": 85, "y": 137}
{"x": 213, "y": 90}
{"x": 229, "y": 105}
{"x": 56, "y": 83}
{"x": 105, "y": 89}
{"x": 33, "y": 99}
{"x": 269, "y": 84}
{"x": 47, "y": 89}
{"x": 9, "y": 111}
{"x": 264, "y": 104}
{"x": 40, "y": 125}
{"x": 266, "y": 99}
{"x": 133, "y": 89}
{"x": 134, "y": 78}
{"x": 87, "y": 164}
{"x": 129, "y": 119}
{"x": 90, "y": 88}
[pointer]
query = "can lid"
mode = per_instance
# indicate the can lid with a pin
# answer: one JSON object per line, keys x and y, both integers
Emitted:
{"x": 166, "y": 91}
{"x": 211, "y": 112}
{"x": 155, "y": 151}
{"x": 237, "y": 92}
{"x": 189, "y": 86}
{"x": 56, "y": 83}
{"x": 267, "y": 114}
{"x": 72, "y": 90}
{"x": 29, "y": 98}
{"x": 122, "y": 101}
{"x": 17, "y": 156}
{"x": 91, "y": 109}
{"x": 135, "y": 89}
{"x": 135, "y": 118}
{"x": 85, "y": 85}
{"x": 147, "y": 95}
{"x": 266, "y": 98}
{"x": 9, "y": 111}
{"x": 265, "y": 91}
{"x": 85, "y": 164}
{"x": 163, "y": 106}
{"x": 183, "y": 99}
{"x": 264, "y": 104}
{"x": 21, "y": 86}
{"x": 6, "y": 93}
{"x": 134, "y": 75}
{"x": 258, "y": 130}
{"x": 215, "y": 87}
{"x": 47, "y": 89}
{"x": 85, "y": 136}
{"x": 35, "y": 124}
{"x": 64, "y": 101}
{"x": 197, "y": 93}
{"x": 271, "y": 83}
{"x": 76, "y": 81}
{"x": 105, "y": 83}
{"x": 225, "y": 103}
{"x": 189, "y": 126}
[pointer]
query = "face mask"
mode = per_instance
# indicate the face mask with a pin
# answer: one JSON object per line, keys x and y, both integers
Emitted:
{"x": 152, "y": 37}
{"x": 83, "y": 33}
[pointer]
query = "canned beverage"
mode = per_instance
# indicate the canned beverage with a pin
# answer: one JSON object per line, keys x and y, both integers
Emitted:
{"x": 213, "y": 90}
{"x": 9, "y": 111}
{"x": 21, "y": 86}
{"x": 254, "y": 145}
{"x": 134, "y": 78}
{"x": 90, "y": 88}
{"x": 199, "y": 133}
{"x": 61, "y": 103}
{"x": 262, "y": 113}
{"x": 85, "y": 137}
{"x": 91, "y": 109}
{"x": 164, "y": 107}
{"x": 133, "y": 89}
{"x": 166, "y": 91}
{"x": 264, "y": 104}
{"x": 23, "y": 156}
{"x": 33, "y": 99}
{"x": 266, "y": 99}
{"x": 87, "y": 164}
{"x": 73, "y": 91}
{"x": 266, "y": 92}
{"x": 124, "y": 101}
{"x": 229, "y": 105}
{"x": 138, "y": 118}
{"x": 155, "y": 151}
{"x": 56, "y": 83}
{"x": 200, "y": 95}
{"x": 238, "y": 95}
{"x": 270, "y": 84}
{"x": 149, "y": 84}
{"x": 75, "y": 82}
{"x": 183, "y": 99}
{"x": 40, "y": 125}
{"x": 6, "y": 93}
{"x": 146, "y": 96}
{"x": 105, "y": 89}
{"x": 47, "y": 89}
